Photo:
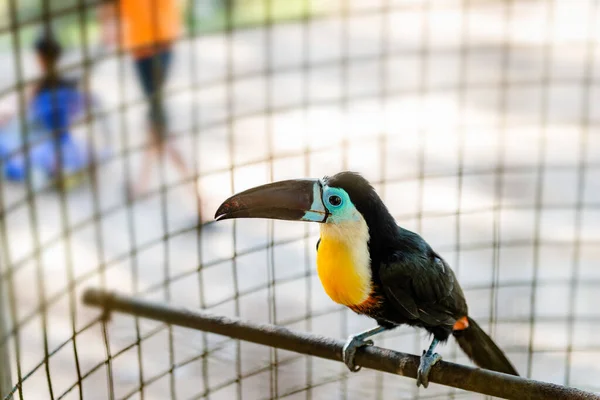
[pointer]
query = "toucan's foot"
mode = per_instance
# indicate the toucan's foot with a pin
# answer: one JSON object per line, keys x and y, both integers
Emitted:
{"x": 428, "y": 360}
{"x": 349, "y": 351}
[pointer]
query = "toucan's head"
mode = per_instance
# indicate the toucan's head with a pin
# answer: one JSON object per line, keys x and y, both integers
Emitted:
{"x": 344, "y": 197}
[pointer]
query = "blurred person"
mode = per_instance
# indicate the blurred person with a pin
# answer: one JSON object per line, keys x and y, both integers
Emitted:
{"x": 148, "y": 29}
{"x": 52, "y": 104}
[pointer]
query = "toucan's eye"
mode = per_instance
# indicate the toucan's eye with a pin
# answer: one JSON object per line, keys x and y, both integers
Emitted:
{"x": 335, "y": 200}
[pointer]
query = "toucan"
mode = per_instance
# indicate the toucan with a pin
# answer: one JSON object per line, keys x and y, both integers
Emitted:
{"x": 370, "y": 264}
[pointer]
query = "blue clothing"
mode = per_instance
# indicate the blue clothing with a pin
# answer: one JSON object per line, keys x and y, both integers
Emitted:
{"x": 56, "y": 106}
{"x": 50, "y": 114}
{"x": 44, "y": 156}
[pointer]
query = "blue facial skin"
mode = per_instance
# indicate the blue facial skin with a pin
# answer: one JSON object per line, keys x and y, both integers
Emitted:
{"x": 317, "y": 212}
{"x": 340, "y": 211}
{"x": 336, "y": 201}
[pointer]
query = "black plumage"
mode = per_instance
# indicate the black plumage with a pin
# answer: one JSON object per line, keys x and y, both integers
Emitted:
{"x": 412, "y": 284}
{"x": 404, "y": 280}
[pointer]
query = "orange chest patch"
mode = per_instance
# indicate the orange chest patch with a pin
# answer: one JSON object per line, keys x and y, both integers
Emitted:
{"x": 369, "y": 306}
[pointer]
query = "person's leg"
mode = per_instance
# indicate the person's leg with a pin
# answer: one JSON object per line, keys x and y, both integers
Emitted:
{"x": 153, "y": 72}
{"x": 176, "y": 157}
{"x": 141, "y": 185}
{"x": 161, "y": 123}
{"x": 144, "y": 69}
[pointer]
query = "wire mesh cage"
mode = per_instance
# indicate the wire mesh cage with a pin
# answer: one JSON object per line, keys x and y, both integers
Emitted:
{"x": 476, "y": 121}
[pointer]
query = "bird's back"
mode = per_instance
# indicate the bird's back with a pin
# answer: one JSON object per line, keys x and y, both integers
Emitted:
{"x": 419, "y": 288}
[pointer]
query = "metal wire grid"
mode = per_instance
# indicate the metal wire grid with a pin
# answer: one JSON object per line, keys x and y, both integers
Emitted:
{"x": 272, "y": 379}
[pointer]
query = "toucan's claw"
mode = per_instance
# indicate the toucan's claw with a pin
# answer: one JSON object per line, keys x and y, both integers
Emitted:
{"x": 349, "y": 351}
{"x": 428, "y": 360}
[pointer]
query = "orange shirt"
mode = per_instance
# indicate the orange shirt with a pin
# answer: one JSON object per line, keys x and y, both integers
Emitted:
{"x": 145, "y": 23}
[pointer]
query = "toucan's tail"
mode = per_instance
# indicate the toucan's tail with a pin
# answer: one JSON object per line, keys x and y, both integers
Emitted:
{"x": 481, "y": 348}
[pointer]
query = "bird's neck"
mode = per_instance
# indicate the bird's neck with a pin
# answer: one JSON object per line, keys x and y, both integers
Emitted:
{"x": 343, "y": 261}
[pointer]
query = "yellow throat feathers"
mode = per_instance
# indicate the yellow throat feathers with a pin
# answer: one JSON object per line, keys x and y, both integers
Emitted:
{"x": 343, "y": 261}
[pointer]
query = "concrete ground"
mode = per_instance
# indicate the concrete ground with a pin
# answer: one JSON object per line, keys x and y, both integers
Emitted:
{"x": 478, "y": 126}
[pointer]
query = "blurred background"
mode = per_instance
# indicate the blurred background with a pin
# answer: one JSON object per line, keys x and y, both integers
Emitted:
{"x": 476, "y": 120}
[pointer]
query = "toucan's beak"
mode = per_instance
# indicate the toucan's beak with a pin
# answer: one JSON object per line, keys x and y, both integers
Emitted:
{"x": 295, "y": 200}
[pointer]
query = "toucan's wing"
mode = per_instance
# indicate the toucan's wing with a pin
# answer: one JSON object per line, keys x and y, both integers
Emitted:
{"x": 422, "y": 287}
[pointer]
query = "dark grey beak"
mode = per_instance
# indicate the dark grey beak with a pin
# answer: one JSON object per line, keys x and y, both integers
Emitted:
{"x": 293, "y": 200}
